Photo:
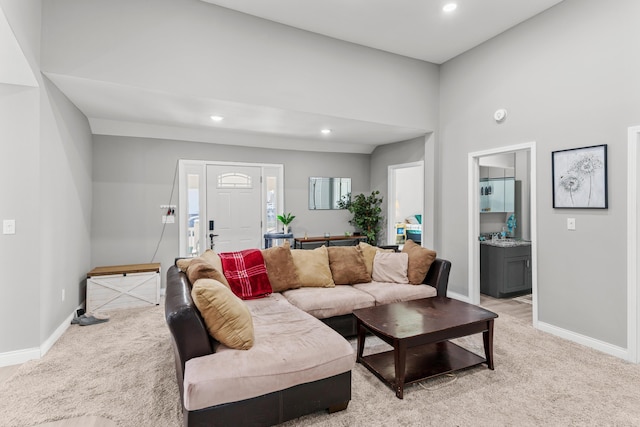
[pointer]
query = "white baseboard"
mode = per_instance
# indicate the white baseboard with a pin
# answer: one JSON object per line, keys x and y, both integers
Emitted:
{"x": 21, "y": 356}
{"x": 602, "y": 346}
{"x": 49, "y": 342}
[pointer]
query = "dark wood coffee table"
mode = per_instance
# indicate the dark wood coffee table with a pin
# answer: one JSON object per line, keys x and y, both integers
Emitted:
{"x": 419, "y": 332}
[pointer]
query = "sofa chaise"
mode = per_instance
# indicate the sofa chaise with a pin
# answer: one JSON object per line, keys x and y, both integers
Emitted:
{"x": 299, "y": 361}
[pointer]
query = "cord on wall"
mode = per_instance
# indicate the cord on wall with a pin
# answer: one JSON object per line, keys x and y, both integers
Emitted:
{"x": 164, "y": 225}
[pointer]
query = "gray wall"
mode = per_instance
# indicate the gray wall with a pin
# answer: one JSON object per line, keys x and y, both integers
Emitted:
{"x": 132, "y": 177}
{"x": 568, "y": 78}
{"x": 392, "y": 154}
{"x": 45, "y": 185}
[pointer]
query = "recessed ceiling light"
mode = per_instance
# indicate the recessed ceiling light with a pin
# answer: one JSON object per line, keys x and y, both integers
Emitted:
{"x": 217, "y": 118}
{"x": 450, "y": 7}
{"x": 325, "y": 131}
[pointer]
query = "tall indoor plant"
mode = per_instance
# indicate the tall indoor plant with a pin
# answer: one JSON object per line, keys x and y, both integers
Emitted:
{"x": 367, "y": 214}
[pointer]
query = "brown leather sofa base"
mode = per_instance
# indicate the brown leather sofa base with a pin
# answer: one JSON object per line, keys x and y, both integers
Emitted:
{"x": 332, "y": 394}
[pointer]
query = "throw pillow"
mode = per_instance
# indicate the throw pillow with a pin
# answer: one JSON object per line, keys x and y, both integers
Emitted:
{"x": 420, "y": 259}
{"x": 226, "y": 317}
{"x": 183, "y": 263}
{"x": 369, "y": 252}
{"x": 347, "y": 265}
{"x": 201, "y": 269}
{"x": 210, "y": 256}
{"x": 390, "y": 267}
{"x": 246, "y": 273}
{"x": 312, "y": 267}
{"x": 280, "y": 268}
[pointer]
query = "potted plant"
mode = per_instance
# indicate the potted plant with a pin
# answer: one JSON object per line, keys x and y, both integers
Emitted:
{"x": 286, "y": 220}
{"x": 367, "y": 214}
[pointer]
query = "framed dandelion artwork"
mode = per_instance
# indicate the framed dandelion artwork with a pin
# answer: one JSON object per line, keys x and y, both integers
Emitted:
{"x": 580, "y": 178}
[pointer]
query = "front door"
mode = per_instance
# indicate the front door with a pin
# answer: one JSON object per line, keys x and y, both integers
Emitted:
{"x": 233, "y": 204}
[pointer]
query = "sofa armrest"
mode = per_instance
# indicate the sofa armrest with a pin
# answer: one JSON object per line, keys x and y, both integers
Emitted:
{"x": 188, "y": 332}
{"x": 438, "y": 276}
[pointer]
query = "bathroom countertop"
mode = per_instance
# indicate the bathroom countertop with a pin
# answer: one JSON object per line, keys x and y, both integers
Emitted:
{"x": 506, "y": 243}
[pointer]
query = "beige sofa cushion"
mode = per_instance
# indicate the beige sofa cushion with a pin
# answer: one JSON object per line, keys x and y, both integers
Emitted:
{"x": 329, "y": 302}
{"x": 347, "y": 265}
{"x": 390, "y": 267}
{"x": 312, "y": 267}
{"x": 211, "y": 257}
{"x": 200, "y": 269}
{"x": 369, "y": 252}
{"x": 227, "y": 318}
{"x": 386, "y": 293}
{"x": 291, "y": 348}
{"x": 280, "y": 268}
{"x": 420, "y": 259}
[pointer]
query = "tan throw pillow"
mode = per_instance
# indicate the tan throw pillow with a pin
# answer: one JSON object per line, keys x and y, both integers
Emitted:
{"x": 280, "y": 268}
{"x": 213, "y": 258}
{"x": 420, "y": 259}
{"x": 390, "y": 267}
{"x": 369, "y": 252}
{"x": 210, "y": 256}
{"x": 347, "y": 265}
{"x": 201, "y": 269}
{"x": 226, "y": 316}
{"x": 313, "y": 267}
{"x": 183, "y": 263}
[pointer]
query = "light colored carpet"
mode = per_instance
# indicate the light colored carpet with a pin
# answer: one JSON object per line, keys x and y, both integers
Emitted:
{"x": 123, "y": 370}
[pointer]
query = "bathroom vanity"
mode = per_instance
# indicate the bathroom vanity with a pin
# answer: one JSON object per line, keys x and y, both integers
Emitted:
{"x": 505, "y": 267}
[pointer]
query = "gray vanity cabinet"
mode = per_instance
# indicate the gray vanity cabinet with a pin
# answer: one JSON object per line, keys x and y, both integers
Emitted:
{"x": 505, "y": 271}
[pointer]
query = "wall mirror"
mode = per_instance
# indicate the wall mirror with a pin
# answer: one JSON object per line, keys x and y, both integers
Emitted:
{"x": 497, "y": 183}
{"x": 325, "y": 193}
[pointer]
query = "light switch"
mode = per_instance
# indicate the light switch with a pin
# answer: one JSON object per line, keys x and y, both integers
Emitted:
{"x": 9, "y": 226}
{"x": 571, "y": 224}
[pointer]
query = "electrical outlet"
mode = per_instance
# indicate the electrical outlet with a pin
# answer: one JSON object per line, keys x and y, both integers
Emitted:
{"x": 9, "y": 226}
{"x": 571, "y": 224}
{"x": 63, "y": 295}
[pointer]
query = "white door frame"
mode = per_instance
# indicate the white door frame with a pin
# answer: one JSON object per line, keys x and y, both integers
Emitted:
{"x": 391, "y": 190}
{"x": 474, "y": 221}
{"x": 633, "y": 302}
{"x": 183, "y": 164}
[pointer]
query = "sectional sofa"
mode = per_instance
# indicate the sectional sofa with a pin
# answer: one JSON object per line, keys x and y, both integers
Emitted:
{"x": 282, "y": 355}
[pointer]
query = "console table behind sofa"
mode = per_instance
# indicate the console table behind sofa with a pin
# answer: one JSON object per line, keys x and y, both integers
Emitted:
{"x": 313, "y": 242}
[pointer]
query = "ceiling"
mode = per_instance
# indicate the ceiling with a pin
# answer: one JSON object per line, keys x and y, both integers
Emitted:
{"x": 15, "y": 67}
{"x": 415, "y": 28}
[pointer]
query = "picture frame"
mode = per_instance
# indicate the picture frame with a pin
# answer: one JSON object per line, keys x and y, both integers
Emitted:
{"x": 579, "y": 177}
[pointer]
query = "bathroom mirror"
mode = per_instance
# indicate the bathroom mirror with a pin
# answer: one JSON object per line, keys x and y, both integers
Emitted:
{"x": 325, "y": 193}
{"x": 497, "y": 183}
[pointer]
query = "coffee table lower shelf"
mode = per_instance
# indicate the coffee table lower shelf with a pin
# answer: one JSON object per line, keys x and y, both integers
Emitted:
{"x": 422, "y": 362}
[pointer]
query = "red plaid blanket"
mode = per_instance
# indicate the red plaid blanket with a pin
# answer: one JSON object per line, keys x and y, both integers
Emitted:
{"x": 246, "y": 273}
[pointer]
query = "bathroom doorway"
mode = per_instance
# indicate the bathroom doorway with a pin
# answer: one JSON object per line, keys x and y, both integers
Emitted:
{"x": 405, "y": 203}
{"x": 524, "y": 156}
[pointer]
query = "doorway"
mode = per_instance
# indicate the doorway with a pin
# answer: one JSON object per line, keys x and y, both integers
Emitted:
{"x": 633, "y": 248}
{"x": 405, "y": 203}
{"x": 230, "y": 205}
{"x": 233, "y": 206}
{"x": 474, "y": 201}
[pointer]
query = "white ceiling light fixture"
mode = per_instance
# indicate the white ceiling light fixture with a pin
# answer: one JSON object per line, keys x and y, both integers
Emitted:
{"x": 217, "y": 118}
{"x": 449, "y": 7}
{"x": 325, "y": 131}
